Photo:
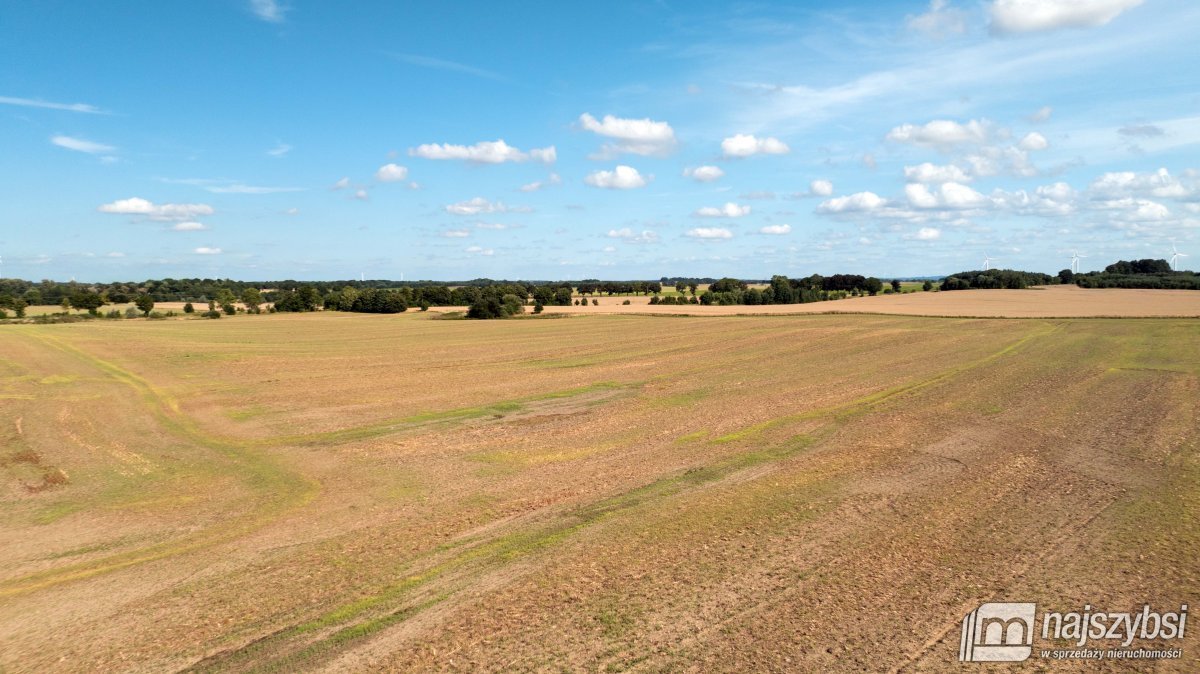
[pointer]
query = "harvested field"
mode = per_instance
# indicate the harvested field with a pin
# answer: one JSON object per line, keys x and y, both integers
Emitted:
{"x": 340, "y": 492}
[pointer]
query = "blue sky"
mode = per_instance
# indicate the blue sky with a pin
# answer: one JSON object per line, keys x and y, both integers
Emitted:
{"x": 268, "y": 140}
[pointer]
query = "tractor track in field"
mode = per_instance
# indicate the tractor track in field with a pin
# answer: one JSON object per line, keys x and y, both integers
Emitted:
{"x": 310, "y": 643}
{"x": 288, "y": 490}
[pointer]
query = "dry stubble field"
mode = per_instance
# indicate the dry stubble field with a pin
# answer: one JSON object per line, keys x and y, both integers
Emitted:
{"x": 594, "y": 493}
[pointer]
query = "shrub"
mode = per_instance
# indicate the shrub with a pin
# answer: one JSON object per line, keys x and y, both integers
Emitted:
{"x": 625, "y": 302}
{"x": 538, "y": 308}
{"x": 229, "y": 309}
{"x": 512, "y": 305}
{"x": 486, "y": 308}
{"x": 115, "y": 313}
{"x": 595, "y": 303}
{"x": 188, "y": 308}
{"x": 131, "y": 312}
{"x": 211, "y": 313}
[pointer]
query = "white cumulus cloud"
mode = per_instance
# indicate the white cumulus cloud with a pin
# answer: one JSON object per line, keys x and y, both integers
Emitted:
{"x": 1033, "y": 141}
{"x": 946, "y": 195}
{"x": 1159, "y": 184}
{"x": 744, "y": 145}
{"x": 941, "y": 133}
{"x": 391, "y": 173}
{"x": 928, "y": 234}
{"x": 189, "y": 226}
{"x": 632, "y": 136}
{"x": 1024, "y": 16}
{"x": 776, "y": 229}
{"x": 144, "y": 207}
{"x": 205, "y": 250}
{"x": 480, "y": 205}
{"x": 631, "y": 236}
{"x": 484, "y": 152}
{"x": 820, "y": 188}
{"x": 729, "y": 210}
{"x": 857, "y": 202}
{"x": 620, "y": 178}
{"x": 933, "y": 173}
{"x": 710, "y": 233}
{"x": 703, "y": 174}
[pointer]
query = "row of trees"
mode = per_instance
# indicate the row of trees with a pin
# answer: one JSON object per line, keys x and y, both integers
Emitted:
{"x": 1146, "y": 273}
{"x": 435, "y": 293}
{"x": 595, "y": 287}
{"x": 784, "y": 290}
{"x": 996, "y": 278}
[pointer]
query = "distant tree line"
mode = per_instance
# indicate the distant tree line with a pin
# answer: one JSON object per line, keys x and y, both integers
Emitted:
{"x": 780, "y": 290}
{"x": 1146, "y": 273}
{"x": 996, "y": 278}
{"x": 594, "y": 287}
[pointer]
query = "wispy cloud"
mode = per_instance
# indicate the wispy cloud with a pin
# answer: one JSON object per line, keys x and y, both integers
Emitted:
{"x": 50, "y": 105}
{"x": 268, "y": 10}
{"x": 226, "y": 186}
{"x": 443, "y": 64}
{"x": 81, "y": 145}
{"x": 279, "y": 150}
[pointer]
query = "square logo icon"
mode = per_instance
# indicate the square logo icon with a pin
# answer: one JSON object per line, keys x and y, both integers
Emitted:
{"x": 998, "y": 632}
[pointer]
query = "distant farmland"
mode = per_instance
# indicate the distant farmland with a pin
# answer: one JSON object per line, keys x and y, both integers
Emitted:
{"x": 359, "y": 492}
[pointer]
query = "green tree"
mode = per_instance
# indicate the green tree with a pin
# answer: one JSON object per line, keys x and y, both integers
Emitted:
{"x": 188, "y": 308}
{"x": 512, "y": 305}
{"x": 85, "y": 300}
{"x": 252, "y": 298}
{"x": 225, "y": 296}
{"x": 926, "y": 286}
{"x": 781, "y": 290}
{"x": 144, "y": 303}
{"x": 895, "y": 285}
{"x": 727, "y": 285}
{"x": 486, "y": 308}
{"x": 873, "y": 285}
{"x": 562, "y": 296}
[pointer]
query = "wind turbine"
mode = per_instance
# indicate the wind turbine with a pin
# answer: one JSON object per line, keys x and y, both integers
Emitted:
{"x": 987, "y": 262}
{"x": 1075, "y": 257}
{"x": 1175, "y": 255}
